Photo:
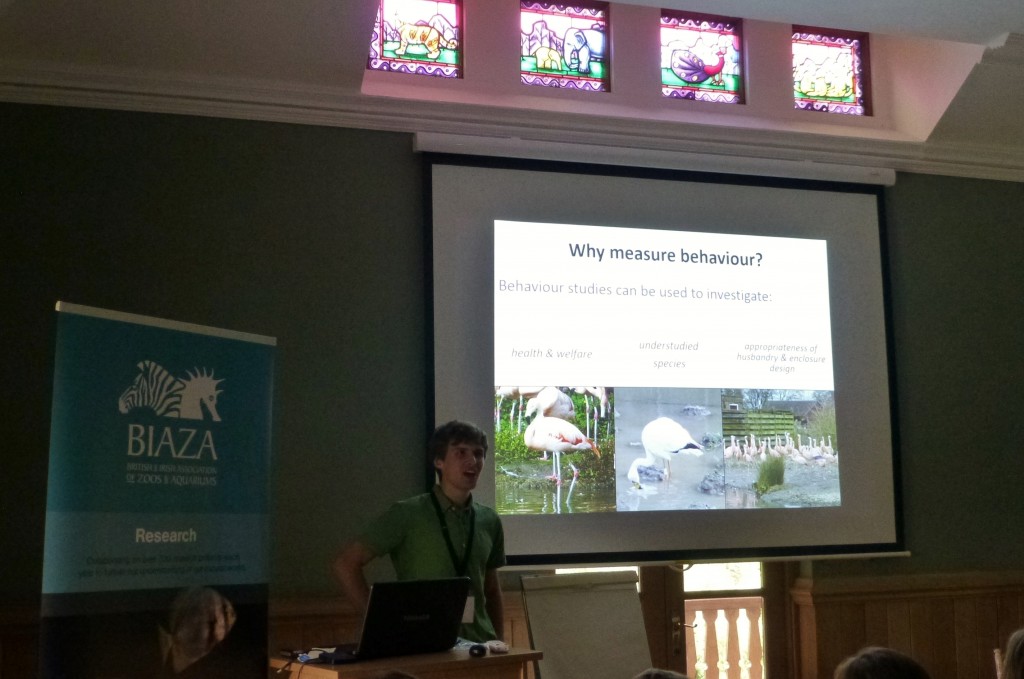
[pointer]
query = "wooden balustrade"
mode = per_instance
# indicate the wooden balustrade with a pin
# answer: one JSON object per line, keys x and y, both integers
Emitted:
{"x": 727, "y": 638}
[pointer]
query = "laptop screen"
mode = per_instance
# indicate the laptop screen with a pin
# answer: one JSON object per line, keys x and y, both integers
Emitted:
{"x": 412, "y": 616}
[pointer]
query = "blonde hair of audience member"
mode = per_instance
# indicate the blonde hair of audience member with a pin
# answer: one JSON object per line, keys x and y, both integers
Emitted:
{"x": 876, "y": 662}
{"x": 1013, "y": 659}
{"x": 655, "y": 673}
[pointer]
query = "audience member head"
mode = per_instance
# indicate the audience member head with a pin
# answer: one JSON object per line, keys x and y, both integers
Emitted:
{"x": 397, "y": 674}
{"x": 876, "y": 662}
{"x": 655, "y": 673}
{"x": 1013, "y": 658}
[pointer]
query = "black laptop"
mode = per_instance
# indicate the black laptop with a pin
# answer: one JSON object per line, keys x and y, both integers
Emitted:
{"x": 405, "y": 617}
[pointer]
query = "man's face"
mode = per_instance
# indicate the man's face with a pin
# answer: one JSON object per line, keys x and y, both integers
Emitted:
{"x": 461, "y": 466}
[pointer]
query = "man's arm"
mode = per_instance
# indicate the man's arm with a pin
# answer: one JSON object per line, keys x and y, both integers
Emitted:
{"x": 348, "y": 570}
{"x": 495, "y": 605}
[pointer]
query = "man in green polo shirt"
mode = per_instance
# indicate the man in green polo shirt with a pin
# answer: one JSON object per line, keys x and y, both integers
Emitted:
{"x": 442, "y": 533}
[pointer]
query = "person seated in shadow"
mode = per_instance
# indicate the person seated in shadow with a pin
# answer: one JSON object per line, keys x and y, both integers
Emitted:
{"x": 876, "y": 662}
{"x": 1013, "y": 657}
{"x": 655, "y": 673}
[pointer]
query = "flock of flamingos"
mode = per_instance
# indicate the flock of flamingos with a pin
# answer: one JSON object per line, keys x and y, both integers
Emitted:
{"x": 752, "y": 449}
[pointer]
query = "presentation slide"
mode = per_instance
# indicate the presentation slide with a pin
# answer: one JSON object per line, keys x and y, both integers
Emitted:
{"x": 674, "y": 327}
{"x": 668, "y": 365}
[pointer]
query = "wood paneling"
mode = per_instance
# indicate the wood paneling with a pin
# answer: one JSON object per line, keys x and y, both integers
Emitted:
{"x": 950, "y": 623}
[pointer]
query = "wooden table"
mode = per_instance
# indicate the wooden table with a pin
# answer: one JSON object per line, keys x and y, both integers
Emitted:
{"x": 453, "y": 664}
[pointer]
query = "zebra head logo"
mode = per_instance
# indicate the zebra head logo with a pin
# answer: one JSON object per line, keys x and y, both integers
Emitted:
{"x": 168, "y": 396}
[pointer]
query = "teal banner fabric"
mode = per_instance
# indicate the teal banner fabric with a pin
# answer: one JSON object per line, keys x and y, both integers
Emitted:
{"x": 157, "y": 496}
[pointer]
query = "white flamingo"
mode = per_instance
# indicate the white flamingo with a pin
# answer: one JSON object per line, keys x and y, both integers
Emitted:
{"x": 813, "y": 451}
{"x": 634, "y": 470}
{"x": 746, "y": 455}
{"x": 502, "y": 393}
{"x": 551, "y": 402}
{"x": 558, "y": 436}
{"x": 517, "y": 393}
{"x": 525, "y": 393}
{"x": 664, "y": 439}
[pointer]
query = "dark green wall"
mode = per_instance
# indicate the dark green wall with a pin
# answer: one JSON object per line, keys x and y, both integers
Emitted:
{"x": 315, "y": 236}
{"x": 957, "y": 287}
{"x": 311, "y": 235}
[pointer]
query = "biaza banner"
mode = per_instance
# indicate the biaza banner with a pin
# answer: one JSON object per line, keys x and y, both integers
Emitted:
{"x": 156, "y": 549}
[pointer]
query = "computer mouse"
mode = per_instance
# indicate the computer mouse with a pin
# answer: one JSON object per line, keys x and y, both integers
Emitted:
{"x": 497, "y": 646}
{"x": 477, "y": 650}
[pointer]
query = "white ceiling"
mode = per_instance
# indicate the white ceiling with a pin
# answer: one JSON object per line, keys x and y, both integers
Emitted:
{"x": 303, "y": 61}
{"x": 981, "y": 22}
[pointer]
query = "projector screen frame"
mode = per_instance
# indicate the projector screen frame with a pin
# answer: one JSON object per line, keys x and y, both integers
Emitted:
{"x": 481, "y": 164}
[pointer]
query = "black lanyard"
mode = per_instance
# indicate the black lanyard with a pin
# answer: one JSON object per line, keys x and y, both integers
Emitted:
{"x": 460, "y": 567}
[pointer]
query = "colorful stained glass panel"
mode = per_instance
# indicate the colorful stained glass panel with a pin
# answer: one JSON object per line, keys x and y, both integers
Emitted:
{"x": 418, "y": 36}
{"x": 564, "y": 45}
{"x": 701, "y": 57}
{"x": 829, "y": 71}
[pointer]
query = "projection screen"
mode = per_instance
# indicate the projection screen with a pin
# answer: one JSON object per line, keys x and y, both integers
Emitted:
{"x": 669, "y": 365}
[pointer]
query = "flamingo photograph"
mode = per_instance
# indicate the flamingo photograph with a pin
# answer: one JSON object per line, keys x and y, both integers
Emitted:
{"x": 565, "y": 449}
{"x": 664, "y": 439}
{"x": 549, "y": 449}
{"x": 669, "y": 444}
{"x": 782, "y": 449}
{"x": 557, "y": 436}
{"x": 725, "y": 449}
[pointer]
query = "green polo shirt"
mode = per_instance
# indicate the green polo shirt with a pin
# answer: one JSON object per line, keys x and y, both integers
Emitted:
{"x": 409, "y": 532}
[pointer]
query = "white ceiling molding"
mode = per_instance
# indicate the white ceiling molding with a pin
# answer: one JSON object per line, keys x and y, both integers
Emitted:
{"x": 511, "y": 147}
{"x": 290, "y": 103}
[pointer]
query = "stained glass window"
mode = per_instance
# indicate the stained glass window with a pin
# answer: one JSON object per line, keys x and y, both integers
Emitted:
{"x": 701, "y": 57}
{"x": 564, "y": 45}
{"x": 830, "y": 71}
{"x": 418, "y": 36}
